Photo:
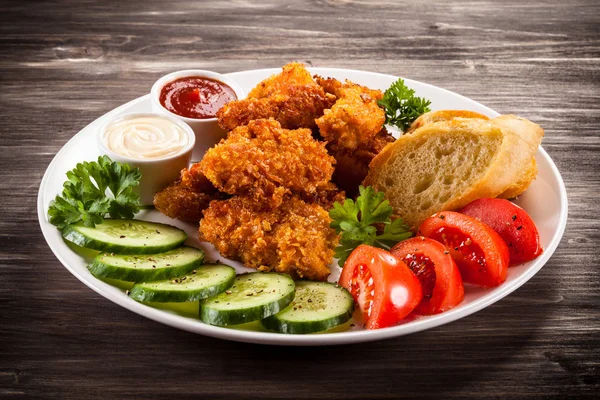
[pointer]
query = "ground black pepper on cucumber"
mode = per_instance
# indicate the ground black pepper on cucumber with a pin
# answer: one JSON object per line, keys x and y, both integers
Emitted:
{"x": 252, "y": 297}
{"x": 177, "y": 275}
{"x": 163, "y": 270}
{"x": 145, "y": 268}
{"x": 207, "y": 281}
{"x": 123, "y": 236}
{"x": 317, "y": 307}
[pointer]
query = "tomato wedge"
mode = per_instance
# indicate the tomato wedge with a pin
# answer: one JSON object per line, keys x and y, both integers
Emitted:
{"x": 479, "y": 252}
{"x": 384, "y": 287}
{"x": 439, "y": 276}
{"x": 512, "y": 223}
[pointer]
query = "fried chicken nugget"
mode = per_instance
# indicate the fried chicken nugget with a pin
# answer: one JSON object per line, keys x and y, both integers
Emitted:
{"x": 296, "y": 108}
{"x": 334, "y": 87}
{"x": 325, "y": 197}
{"x": 355, "y": 118}
{"x": 293, "y": 238}
{"x": 193, "y": 178}
{"x": 265, "y": 162}
{"x": 352, "y": 166}
{"x": 293, "y": 73}
{"x": 186, "y": 198}
{"x": 292, "y": 98}
{"x": 180, "y": 202}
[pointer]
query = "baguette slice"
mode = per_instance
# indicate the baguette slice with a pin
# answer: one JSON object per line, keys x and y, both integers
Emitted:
{"x": 522, "y": 183}
{"x": 530, "y": 132}
{"x": 525, "y": 128}
{"x": 443, "y": 115}
{"x": 445, "y": 165}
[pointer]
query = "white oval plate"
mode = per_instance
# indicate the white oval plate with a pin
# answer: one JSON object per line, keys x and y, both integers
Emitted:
{"x": 545, "y": 201}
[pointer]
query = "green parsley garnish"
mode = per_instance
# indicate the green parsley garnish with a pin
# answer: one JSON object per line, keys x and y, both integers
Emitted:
{"x": 84, "y": 197}
{"x": 355, "y": 222}
{"x": 401, "y": 105}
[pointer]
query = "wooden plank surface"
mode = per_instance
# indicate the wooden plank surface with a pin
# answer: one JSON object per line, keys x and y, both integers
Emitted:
{"x": 65, "y": 63}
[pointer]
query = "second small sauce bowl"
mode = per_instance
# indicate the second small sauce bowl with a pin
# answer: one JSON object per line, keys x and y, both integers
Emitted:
{"x": 160, "y": 156}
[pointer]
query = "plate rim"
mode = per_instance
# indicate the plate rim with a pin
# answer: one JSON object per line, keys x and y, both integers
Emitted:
{"x": 337, "y": 338}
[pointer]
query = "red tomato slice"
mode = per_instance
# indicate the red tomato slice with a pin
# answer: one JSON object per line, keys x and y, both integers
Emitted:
{"x": 479, "y": 252}
{"x": 384, "y": 287}
{"x": 439, "y": 276}
{"x": 512, "y": 223}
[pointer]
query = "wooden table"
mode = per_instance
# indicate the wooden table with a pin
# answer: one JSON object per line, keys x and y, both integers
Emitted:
{"x": 65, "y": 63}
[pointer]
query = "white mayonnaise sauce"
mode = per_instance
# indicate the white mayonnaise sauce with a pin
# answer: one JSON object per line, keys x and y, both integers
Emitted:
{"x": 145, "y": 138}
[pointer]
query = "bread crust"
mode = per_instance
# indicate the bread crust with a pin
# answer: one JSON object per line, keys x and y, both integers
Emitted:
{"x": 443, "y": 115}
{"x": 522, "y": 184}
{"x": 533, "y": 134}
{"x": 527, "y": 129}
{"x": 511, "y": 157}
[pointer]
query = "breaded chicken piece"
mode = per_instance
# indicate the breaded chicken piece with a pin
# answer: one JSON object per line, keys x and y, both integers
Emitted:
{"x": 292, "y": 98}
{"x": 354, "y": 119}
{"x": 180, "y": 202}
{"x": 352, "y": 166}
{"x": 325, "y": 197}
{"x": 186, "y": 198}
{"x": 292, "y": 74}
{"x": 193, "y": 178}
{"x": 265, "y": 162}
{"x": 296, "y": 108}
{"x": 293, "y": 238}
{"x": 334, "y": 87}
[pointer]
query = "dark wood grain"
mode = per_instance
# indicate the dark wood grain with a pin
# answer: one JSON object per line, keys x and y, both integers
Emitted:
{"x": 65, "y": 63}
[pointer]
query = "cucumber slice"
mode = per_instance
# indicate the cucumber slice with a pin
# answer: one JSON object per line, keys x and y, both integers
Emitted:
{"x": 206, "y": 281}
{"x": 146, "y": 267}
{"x": 252, "y": 297}
{"x": 125, "y": 236}
{"x": 318, "y": 306}
{"x": 188, "y": 309}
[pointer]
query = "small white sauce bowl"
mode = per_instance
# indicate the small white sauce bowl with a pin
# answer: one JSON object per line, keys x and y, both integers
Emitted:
{"x": 207, "y": 130}
{"x": 157, "y": 173}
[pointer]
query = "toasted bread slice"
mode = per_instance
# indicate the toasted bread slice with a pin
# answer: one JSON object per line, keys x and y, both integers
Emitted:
{"x": 527, "y": 129}
{"x": 530, "y": 132}
{"x": 443, "y": 115}
{"x": 445, "y": 165}
{"x": 522, "y": 183}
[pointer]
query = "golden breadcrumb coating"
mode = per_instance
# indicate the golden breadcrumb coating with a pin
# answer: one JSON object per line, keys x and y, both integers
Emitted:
{"x": 335, "y": 87}
{"x": 180, "y": 202}
{"x": 293, "y": 238}
{"x": 264, "y": 161}
{"x": 193, "y": 178}
{"x": 186, "y": 198}
{"x": 297, "y": 108}
{"x": 325, "y": 197}
{"x": 292, "y": 98}
{"x": 352, "y": 166}
{"x": 355, "y": 118}
{"x": 279, "y": 175}
{"x": 292, "y": 74}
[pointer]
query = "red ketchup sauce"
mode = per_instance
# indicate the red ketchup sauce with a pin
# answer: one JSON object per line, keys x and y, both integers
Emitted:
{"x": 195, "y": 97}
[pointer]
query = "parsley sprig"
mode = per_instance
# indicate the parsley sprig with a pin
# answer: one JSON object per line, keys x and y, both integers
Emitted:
{"x": 356, "y": 223}
{"x": 401, "y": 105}
{"x": 95, "y": 189}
